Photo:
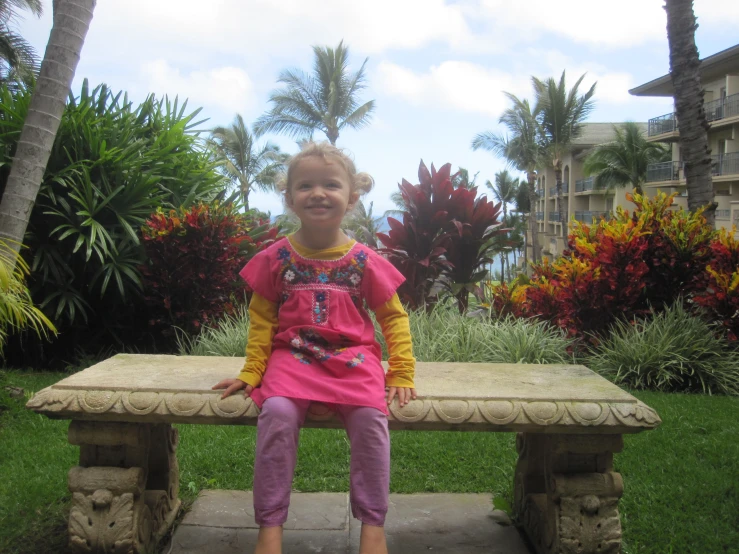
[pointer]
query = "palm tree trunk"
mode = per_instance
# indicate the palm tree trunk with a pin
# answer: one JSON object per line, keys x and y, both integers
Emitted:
{"x": 71, "y": 21}
{"x": 560, "y": 199}
{"x": 691, "y": 117}
{"x": 502, "y": 263}
{"x": 533, "y": 225}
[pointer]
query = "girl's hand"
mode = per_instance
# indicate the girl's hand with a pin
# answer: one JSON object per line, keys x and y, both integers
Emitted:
{"x": 233, "y": 385}
{"x": 404, "y": 394}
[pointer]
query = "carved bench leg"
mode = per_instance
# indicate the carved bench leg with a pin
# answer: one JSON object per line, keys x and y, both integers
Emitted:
{"x": 567, "y": 493}
{"x": 124, "y": 492}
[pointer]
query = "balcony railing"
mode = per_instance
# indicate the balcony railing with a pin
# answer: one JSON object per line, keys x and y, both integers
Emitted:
{"x": 715, "y": 111}
{"x": 589, "y": 216}
{"x": 554, "y": 216}
{"x": 723, "y": 214}
{"x": 725, "y": 164}
{"x": 722, "y": 108}
{"x": 584, "y": 185}
{"x": 565, "y": 189}
{"x": 539, "y": 216}
{"x": 664, "y": 171}
{"x": 663, "y": 124}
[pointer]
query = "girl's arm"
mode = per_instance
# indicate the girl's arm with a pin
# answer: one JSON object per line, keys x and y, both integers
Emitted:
{"x": 393, "y": 321}
{"x": 262, "y": 329}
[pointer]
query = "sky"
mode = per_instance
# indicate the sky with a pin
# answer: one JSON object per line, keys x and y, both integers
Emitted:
{"x": 436, "y": 69}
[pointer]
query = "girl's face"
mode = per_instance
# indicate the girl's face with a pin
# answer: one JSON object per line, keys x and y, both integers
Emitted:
{"x": 320, "y": 193}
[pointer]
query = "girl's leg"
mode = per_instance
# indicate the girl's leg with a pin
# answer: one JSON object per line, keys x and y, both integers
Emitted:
{"x": 278, "y": 429}
{"x": 370, "y": 472}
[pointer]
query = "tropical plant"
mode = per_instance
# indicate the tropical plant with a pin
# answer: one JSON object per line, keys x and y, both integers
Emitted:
{"x": 623, "y": 162}
{"x": 417, "y": 246}
{"x": 71, "y": 21}
{"x": 717, "y": 289}
{"x": 18, "y": 59}
{"x": 504, "y": 191}
{"x": 112, "y": 165}
{"x": 444, "y": 241}
{"x": 190, "y": 278}
{"x": 617, "y": 269}
{"x": 671, "y": 351}
{"x": 363, "y": 225}
{"x": 689, "y": 111}
{"x": 522, "y": 151}
{"x": 475, "y": 232}
{"x": 246, "y": 164}
{"x": 326, "y": 101}
{"x": 17, "y": 311}
{"x": 561, "y": 114}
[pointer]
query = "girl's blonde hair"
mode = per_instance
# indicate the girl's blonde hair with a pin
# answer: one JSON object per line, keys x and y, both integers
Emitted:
{"x": 361, "y": 183}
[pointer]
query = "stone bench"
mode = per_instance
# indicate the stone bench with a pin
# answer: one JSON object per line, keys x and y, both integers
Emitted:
{"x": 569, "y": 422}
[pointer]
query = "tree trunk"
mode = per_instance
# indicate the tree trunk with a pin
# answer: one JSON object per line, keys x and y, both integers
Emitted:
{"x": 533, "y": 225}
{"x": 502, "y": 260}
{"x": 688, "y": 94}
{"x": 71, "y": 22}
{"x": 560, "y": 207}
{"x": 332, "y": 135}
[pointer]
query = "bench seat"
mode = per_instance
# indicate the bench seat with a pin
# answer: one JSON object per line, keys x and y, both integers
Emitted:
{"x": 569, "y": 422}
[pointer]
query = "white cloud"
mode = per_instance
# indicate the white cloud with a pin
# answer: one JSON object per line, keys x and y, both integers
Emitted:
{"x": 227, "y": 88}
{"x": 458, "y": 85}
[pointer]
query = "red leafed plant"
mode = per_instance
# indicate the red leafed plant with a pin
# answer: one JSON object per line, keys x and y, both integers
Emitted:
{"x": 718, "y": 286}
{"x": 444, "y": 237}
{"x": 194, "y": 256}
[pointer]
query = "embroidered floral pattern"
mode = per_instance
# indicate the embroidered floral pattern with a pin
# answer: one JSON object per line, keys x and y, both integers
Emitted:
{"x": 356, "y": 360}
{"x": 320, "y": 307}
{"x": 297, "y": 272}
{"x": 309, "y": 344}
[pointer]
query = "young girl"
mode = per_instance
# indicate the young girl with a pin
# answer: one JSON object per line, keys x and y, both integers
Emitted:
{"x": 311, "y": 343}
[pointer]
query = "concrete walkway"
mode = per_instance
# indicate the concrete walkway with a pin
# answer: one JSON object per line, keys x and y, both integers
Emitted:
{"x": 223, "y": 522}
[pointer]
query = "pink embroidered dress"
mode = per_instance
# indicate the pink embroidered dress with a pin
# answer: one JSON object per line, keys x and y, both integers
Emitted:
{"x": 324, "y": 348}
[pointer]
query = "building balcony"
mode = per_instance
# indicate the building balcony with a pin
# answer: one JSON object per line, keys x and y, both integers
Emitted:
{"x": 539, "y": 216}
{"x": 565, "y": 189}
{"x": 717, "y": 112}
{"x": 586, "y": 185}
{"x": 721, "y": 165}
{"x": 723, "y": 108}
{"x": 664, "y": 171}
{"x": 723, "y": 214}
{"x": 554, "y": 216}
{"x": 590, "y": 216}
{"x": 662, "y": 125}
{"x": 725, "y": 164}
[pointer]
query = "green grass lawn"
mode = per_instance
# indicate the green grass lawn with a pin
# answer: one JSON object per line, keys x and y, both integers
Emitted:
{"x": 681, "y": 480}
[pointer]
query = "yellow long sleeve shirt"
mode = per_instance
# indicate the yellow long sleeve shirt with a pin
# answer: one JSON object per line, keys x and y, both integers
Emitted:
{"x": 391, "y": 316}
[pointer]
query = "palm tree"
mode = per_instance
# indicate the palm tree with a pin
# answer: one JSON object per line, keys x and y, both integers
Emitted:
{"x": 504, "y": 190}
{"x": 522, "y": 150}
{"x": 561, "y": 114}
{"x": 18, "y": 59}
{"x": 325, "y": 101}
{"x": 623, "y": 162}
{"x": 71, "y": 21}
{"x": 688, "y": 94}
{"x": 363, "y": 224}
{"x": 244, "y": 163}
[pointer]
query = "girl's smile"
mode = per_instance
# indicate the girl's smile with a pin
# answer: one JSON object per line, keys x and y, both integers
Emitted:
{"x": 320, "y": 193}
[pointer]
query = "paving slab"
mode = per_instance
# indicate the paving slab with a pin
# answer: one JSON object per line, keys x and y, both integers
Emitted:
{"x": 223, "y": 522}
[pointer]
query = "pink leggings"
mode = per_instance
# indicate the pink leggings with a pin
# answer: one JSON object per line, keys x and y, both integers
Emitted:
{"x": 277, "y": 448}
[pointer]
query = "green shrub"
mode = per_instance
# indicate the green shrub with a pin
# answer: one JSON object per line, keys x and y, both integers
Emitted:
{"x": 671, "y": 351}
{"x": 112, "y": 165}
{"x": 443, "y": 335}
{"x": 227, "y": 338}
